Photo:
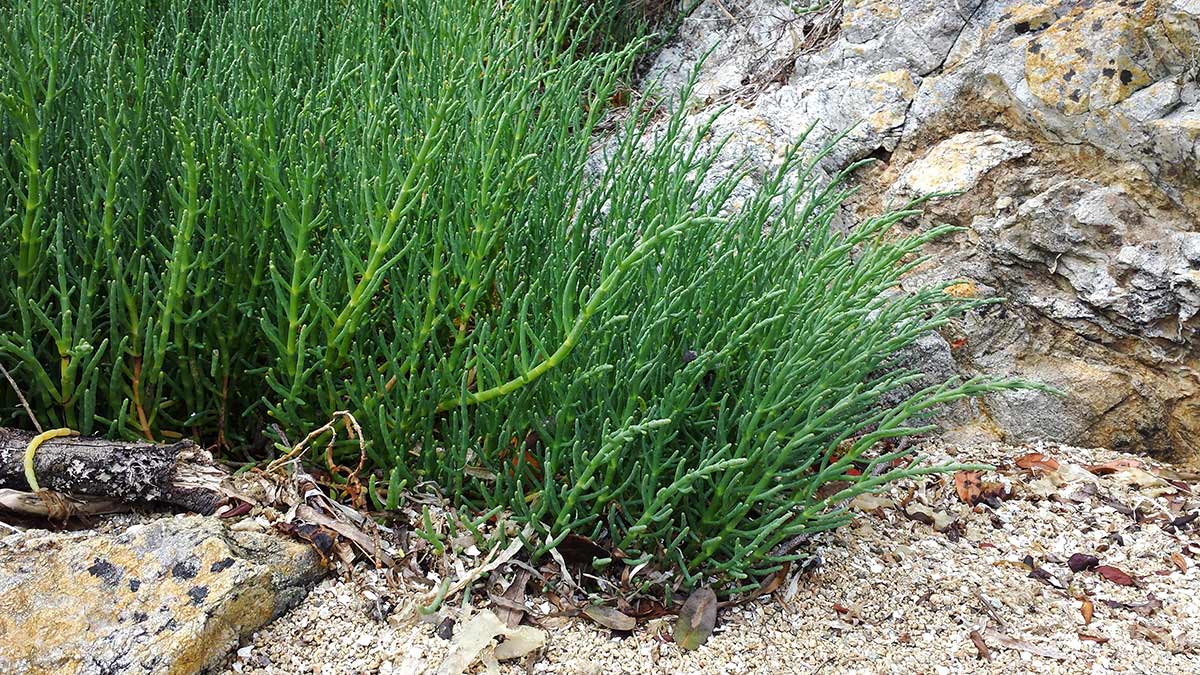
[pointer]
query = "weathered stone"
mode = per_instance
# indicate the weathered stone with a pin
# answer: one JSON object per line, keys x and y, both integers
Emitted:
{"x": 1118, "y": 76}
{"x": 174, "y": 595}
{"x": 1072, "y": 129}
{"x": 958, "y": 163}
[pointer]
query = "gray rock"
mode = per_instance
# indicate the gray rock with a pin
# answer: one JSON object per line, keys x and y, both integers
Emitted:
{"x": 1073, "y": 130}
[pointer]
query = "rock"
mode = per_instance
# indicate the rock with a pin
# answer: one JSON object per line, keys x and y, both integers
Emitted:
{"x": 174, "y": 595}
{"x": 1117, "y": 76}
{"x": 1072, "y": 131}
{"x": 958, "y": 163}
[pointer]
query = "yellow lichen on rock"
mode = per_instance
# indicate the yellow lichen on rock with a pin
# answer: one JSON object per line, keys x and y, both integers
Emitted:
{"x": 172, "y": 596}
{"x": 891, "y": 91}
{"x": 1091, "y": 58}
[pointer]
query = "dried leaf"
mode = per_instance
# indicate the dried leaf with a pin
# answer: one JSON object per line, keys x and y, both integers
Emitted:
{"x": 645, "y": 609}
{"x": 1041, "y": 574}
{"x": 772, "y": 582}
{"x": 1036, "y": 460}
{"x": 610, "y": 618}
{"x": 1087, "y": 609}
{"x": 1114, "y": 466}
{"x": 972, "y": 489}
{"x": 1093, "y": 638}
{"x": 1179, "y": 561}
{"x": 1079, "y": 562}
{"x": 1179, "y": 476}
{"x": 1144, "y": 480}
{"x": 1042, "y": 487}
{"x": 581, "y": 550}
{"x": 520, "y": 641}
{"x": 477, "y": 634}
{"x": 1115, "y": 575}
{"x": 1147, "y": 608}
{"x": 697, "y": 619}
{"x": 512, "y": 611}
{"x": 868, "y": 502}
{"x": 981, "y": 646}
{"x": 1026, "y": 646}
{"x": 1154, "y": 634}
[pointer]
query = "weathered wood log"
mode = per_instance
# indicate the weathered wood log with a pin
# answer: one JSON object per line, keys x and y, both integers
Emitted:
{"x": 180, "y": 474}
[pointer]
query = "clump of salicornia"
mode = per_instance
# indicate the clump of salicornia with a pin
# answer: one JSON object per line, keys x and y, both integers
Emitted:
{"x": 220, "y": 217}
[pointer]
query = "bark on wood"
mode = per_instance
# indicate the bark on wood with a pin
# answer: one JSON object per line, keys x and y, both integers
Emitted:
{"x": 181, "y": 474}
{"x": 56, "y": 506}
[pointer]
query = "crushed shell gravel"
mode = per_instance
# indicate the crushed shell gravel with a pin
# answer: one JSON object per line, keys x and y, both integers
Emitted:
{"x": 891, "y": 594}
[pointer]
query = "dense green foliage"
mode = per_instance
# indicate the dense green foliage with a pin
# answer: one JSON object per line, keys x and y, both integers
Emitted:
{"x": 218, "y": 215}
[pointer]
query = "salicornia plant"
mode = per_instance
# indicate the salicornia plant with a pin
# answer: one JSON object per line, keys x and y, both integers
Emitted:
{"x": 215, "y": 216}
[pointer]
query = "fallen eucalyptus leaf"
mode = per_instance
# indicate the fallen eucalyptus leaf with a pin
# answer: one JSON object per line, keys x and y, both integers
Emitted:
{"x": 1147, "y": 608}
{"x": 1115, "y": 575}
{"x": 697, "y": 619}
{"x": 609, "y": 617}
{"x": 1036, "y": 460}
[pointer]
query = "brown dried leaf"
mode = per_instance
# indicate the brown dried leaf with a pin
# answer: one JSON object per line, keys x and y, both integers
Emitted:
{"x": 697, "y": 618}
{"x": 610, "y": 618}
{"x": 1087, "y": 609}
{"x": 581, "y": 550}
{"x": 772, "y": 582}
{"x": 1179, "y": 561}
{"x": 1098, "y": 639}
{"x": 1079, "y": 562}
{"x": 1036, "y": 460}
{"x": 645, "y": 609}
{"x": 972, "y": 489}
{"x": 1114, "y": 466}
{"x": 1115, "y": 575}
{"x": 512, "y": 611}
{"x": 1154, "y": 634}
{"x": 1147, "y": 608}
{"x": 981, "y": 646}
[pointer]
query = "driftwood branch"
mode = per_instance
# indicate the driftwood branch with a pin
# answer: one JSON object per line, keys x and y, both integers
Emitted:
{"x": 181, "y": 474}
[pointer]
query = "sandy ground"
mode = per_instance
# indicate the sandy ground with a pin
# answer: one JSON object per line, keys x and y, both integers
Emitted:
{"x": 901, "y": 590}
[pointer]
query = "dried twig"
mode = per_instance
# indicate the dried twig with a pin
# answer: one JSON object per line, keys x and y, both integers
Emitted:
{"x": 329, "y": 427}
{"x": 981, "y": 646}
{"x": 21, "y": 397}
{"x": 991, "y": 611}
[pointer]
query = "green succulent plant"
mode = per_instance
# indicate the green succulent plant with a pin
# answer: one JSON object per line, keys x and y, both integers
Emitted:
{"x": 218, "y": 216}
